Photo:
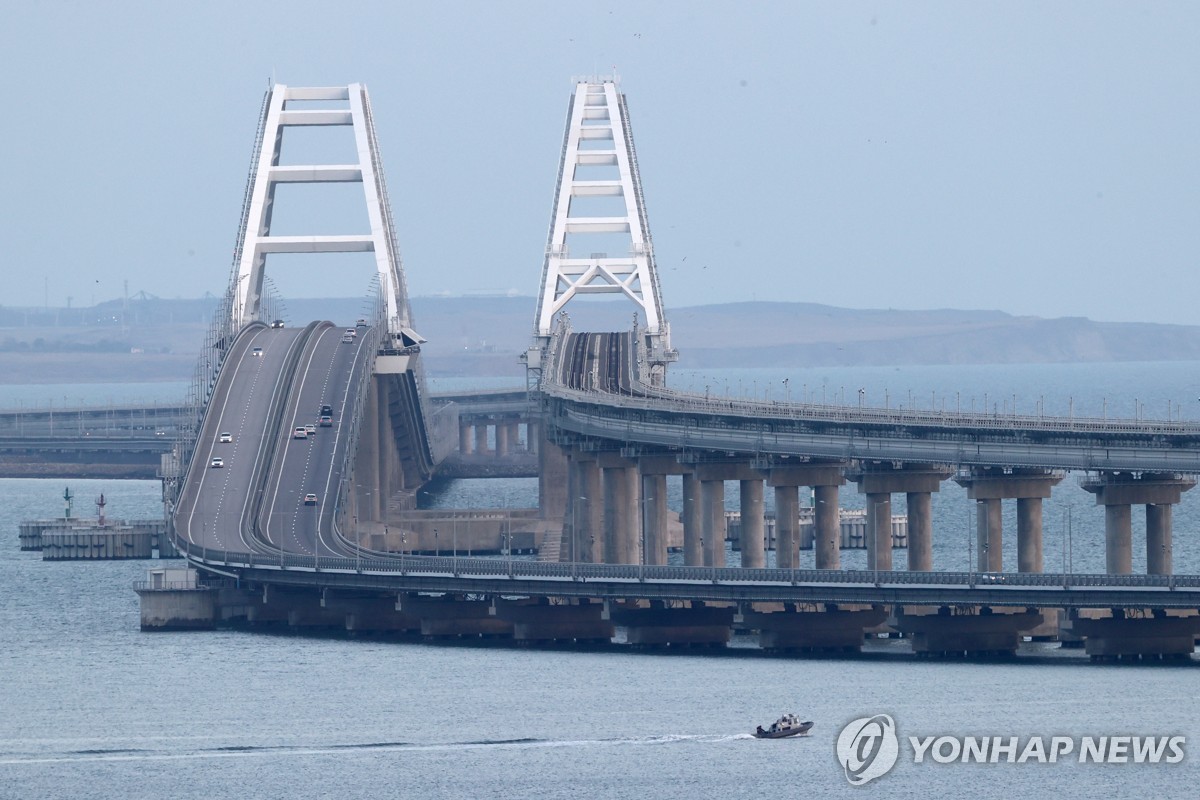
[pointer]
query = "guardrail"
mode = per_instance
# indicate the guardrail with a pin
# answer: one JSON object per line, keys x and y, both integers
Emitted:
{"x": 518, "y": 569}
{"x": 175, "y": 586}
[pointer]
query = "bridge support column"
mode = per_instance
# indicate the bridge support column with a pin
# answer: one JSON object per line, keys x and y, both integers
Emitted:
{"x": 501, "y": 439}
{"x": 481, "y": 437}
{"x": 989, "y": 486}
{"x": 825, "y": 478}
{"x": 1029, "y": 534}
{"x": 712, "y": 497}
{"x": 753, "y": 534}
{"x": 989, "y": 534}
{"x": 829, "y": 528}
{"x": 879, "y": 531}
{"x": 1118, "y": 539}
{"x": 654, "y": 519}
{"x": 1158, "y": 539}
{"x": 879, "y": 481}
{"x": 552, "y": 480}
{"x": 466, "y": 445}
{"x": 787, "y": 524}
{"x": 1118, "y": 492}
{"x": 712, "y": 520}
{"x": 589, "y": 504}
{"x": 920, "y": 531}
{"x": 620, "y": 510}
{"x": 693, "y": 555}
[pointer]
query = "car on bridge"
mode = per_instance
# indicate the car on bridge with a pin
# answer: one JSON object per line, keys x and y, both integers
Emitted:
{"x": 325, "y": 409}
{"x": 217, "y": 463}
{"x": 347, "y": 339}
{"x": 325, "y": 421}
{"x": 300, "y": 433}
{"x": 362, "y": 323}
{"x": 310, "y": 429}
{"x": 277, "y": 323}
{"x": 256, "y": 352}
{"x": 225, "y": 437}
{"x": 310, "y": 499}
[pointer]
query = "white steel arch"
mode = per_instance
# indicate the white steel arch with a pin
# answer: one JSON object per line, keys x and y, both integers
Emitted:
{"x": 284, "y": 108}
{"x": 598, "y": 134}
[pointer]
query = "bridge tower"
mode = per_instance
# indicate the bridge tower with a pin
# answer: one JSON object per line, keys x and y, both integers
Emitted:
{"x": 598, "y": 200}
{"x": 291, "y": 106}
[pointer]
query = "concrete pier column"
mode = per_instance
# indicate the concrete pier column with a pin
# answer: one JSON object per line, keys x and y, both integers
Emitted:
{"x": 533, "y": 436}
{"x": 514, "y": 434}
{"x": 692, "y": 527}
{"x": 989, "y": 526}
{"x": 552, "y": 481}
{"x": 1118, "y": 539}
{"x": 878, "y": 481}
{"x": 920, "y": 531}
{"x": 712, "y": 521}
{"x": 1028, "y": 486}
{"x": 466, "y": 445}
{"x": 589, "y": 506}
{"x": 621, "y": 528}
{"x": 753, "y": 534}
{"x": 481, "y": 438}
{"x": 501, "y": 439}
{"x": 879, "y": 531}
{"x": 1158, "y": 539}
{"x": 825, "y": 478}
{"x": 1029, "y": 534}
{"x": 1117, "y": 492}
{"x": 654, "y": 519}
{"x": 828, "y": 542}
{"x": 787, "y": 523}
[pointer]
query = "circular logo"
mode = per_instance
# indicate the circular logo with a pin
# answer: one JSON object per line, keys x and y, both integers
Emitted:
{"x": 867, "y": 748}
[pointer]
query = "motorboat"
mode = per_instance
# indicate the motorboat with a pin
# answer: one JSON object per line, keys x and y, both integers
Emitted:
{"x": 787, "y": 725}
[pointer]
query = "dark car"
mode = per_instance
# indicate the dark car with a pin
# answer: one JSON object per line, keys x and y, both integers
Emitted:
{"x": 277, "y": 323}
{"x": 326, "y": 421}
{"x": 325, "y": 409}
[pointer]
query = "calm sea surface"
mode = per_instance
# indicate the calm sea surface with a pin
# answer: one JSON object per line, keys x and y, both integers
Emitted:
{"x": 92, "y": 708}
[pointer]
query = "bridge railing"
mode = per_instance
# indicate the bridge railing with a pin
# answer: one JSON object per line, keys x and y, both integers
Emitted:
{"x": 648, "y": 398}
{"x": 518, "y": 569}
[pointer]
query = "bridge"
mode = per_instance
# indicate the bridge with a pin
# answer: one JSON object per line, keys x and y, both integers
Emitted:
{"x": 314, "y": 526}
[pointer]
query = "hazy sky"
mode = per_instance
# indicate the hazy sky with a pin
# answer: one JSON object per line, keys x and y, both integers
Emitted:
{"x": 1038, "y": 158}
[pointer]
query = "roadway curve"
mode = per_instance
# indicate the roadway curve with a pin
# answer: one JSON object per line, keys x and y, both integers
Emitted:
{"x": 593, "y": 393}
{"x": 273, "y": 380}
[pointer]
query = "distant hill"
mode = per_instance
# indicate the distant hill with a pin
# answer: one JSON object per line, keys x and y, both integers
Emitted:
{"x": 158, "y": 339}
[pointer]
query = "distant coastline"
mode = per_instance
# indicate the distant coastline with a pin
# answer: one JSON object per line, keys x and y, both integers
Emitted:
{"x": 153, "y": 339}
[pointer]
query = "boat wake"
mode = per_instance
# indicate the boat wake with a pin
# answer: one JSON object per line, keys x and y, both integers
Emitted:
{"x": 243, "y": 751}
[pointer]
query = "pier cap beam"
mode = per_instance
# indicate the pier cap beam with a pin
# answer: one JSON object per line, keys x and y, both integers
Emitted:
{"x": 813, "y": 474}
{"x": 990, "y": 483}
{"x": 891, "y": 478}
{"x": 1126, "y": 488}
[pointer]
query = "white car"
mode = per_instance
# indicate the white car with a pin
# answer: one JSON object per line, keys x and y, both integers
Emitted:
{"x": 256, "y": 352}
{"x": 217, "y": 463}
{"x": 300, "y": 433}
{"x": 225, "y": 437}
{"x": 310, "y": 429}
{"x": 310, "y": 499}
